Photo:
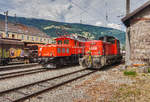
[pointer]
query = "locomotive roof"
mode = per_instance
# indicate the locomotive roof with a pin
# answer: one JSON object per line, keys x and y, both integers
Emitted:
{"x": 107, "y": 36}
{"x": 73, "y": 38}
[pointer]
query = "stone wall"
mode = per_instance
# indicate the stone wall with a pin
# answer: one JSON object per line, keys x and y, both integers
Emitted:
{"x": 140, "y": 38}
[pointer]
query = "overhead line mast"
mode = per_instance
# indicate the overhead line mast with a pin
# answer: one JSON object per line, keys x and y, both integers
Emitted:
{"x": 128, "y": 51}
{"x": 6, "y": 23}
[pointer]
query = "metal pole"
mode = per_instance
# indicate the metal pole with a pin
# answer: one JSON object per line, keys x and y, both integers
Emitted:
{"x": 6, "y": 23}
{"x": 15, "y": 19}
{"x": 128, "y": 52}
{"x": 127, "y": 7}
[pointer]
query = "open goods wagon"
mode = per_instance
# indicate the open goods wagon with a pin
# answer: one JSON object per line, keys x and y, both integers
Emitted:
{"x": 11, "y": 51}
{"x": 32, "y": 50}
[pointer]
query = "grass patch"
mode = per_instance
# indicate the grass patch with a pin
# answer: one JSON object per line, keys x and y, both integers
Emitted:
{"x": 148, "y": 70}
{"x": 130, "y": 73}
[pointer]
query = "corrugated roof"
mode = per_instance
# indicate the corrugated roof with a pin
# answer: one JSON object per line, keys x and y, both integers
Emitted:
{"x": 126, "y": 19}
{"x": 11, "y": 42}
{"x": 20, "y": 28}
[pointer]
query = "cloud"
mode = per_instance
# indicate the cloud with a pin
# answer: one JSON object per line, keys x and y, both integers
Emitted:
{"x": 115, "y": 26}
{"x": 99, "y": 23}
{"x": 91, "y": 12}
{"x": 45, "y": 9}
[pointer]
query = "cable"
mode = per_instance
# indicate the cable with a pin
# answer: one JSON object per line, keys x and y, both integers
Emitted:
{"x": 83, "y": 9}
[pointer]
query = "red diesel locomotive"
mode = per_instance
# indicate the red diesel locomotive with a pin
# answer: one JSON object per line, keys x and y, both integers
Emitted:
{"x": 67, "y": 50}
{"x": 72, "y": 50}
{"x": 99, "y": 53}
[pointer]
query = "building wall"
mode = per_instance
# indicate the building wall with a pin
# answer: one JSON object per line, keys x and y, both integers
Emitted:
{"x": 27, "y": 38}
{"x": 140, "y": 38}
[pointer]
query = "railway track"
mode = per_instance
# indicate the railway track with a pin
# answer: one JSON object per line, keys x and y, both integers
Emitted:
{"x": 27, "y": 91}
{"x": 19, "y": 66}
{"x": 21, "y": 73}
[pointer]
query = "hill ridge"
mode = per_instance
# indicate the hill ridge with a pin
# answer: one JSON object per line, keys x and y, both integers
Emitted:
{"x": 61, "y": 28}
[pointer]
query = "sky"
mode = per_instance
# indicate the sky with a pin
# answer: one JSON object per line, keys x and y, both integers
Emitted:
{"x": 106, "y": 13}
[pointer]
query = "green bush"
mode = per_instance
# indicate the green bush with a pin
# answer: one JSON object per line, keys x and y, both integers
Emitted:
{"x": 148, "y": 70}
{"x": 131, "y": 73}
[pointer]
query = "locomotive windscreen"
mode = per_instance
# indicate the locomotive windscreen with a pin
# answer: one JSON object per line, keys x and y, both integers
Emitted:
{"x": 110, "y": 39}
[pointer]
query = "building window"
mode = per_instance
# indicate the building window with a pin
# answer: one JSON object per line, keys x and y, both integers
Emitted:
{"x": 32, "y": 38}
{"x": 27, "y": 37}
{"x": 9, "y": 35}
{"x": 13, "y": 36}
{"x": 37, "y": 38}
{"x": 40, "y": 39}
{"x": 1, "y": 35}
{"x": 17, "y": 36}
{"x": 22, "y": 37}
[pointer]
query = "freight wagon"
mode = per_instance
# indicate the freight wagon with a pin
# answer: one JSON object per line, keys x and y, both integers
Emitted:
{"x": 32, "y": 50}
{"x": 11, "y": 51}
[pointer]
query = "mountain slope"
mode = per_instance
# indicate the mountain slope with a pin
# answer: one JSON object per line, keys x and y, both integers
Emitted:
{"x": 54, "y": 29}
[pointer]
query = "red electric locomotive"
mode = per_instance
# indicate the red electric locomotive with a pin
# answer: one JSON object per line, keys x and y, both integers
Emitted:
{"x": 67, "y": 50}
{"x": 99, "y": 53}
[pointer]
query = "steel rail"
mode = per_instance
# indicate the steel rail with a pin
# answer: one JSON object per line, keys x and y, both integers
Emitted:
{"x": 42, "y": 81}
{"x": 16, "y": 72}
{"x": 13, "y": 67}
{"x": 22, "y": 73}
{"x": 52, "y": 87}
{"x": 34, "y": 83}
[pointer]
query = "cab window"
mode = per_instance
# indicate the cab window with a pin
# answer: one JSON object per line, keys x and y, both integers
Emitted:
{"x": 111, "y": 40}
{"x": 63, "y": 50}
{"x": 59, "y": 41}
{"x": 66, "y": 41}
{"x": 76, "y": 43}
{"x": 67, "y": 50}
{"x": 80, "y": 44}
{"x": 59, "y": 50}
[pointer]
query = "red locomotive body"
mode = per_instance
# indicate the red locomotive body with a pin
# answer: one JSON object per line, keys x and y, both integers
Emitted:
{"x": 90, "y": 54}
{"x": 66, "y": 51}
{"x": 99, "y": 53}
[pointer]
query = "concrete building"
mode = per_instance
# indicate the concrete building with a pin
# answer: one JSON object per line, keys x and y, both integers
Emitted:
{"x": 25, "y": 33}
{"x": 138, "y": 23}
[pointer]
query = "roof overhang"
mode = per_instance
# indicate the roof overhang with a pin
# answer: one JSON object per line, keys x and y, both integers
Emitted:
{"x": 11, "y": 42}
{"x": 127, "y": 18}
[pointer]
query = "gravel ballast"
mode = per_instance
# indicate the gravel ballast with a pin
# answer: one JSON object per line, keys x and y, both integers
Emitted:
{"x": 98, "y": 87}
{"x": 22, "y": 80}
